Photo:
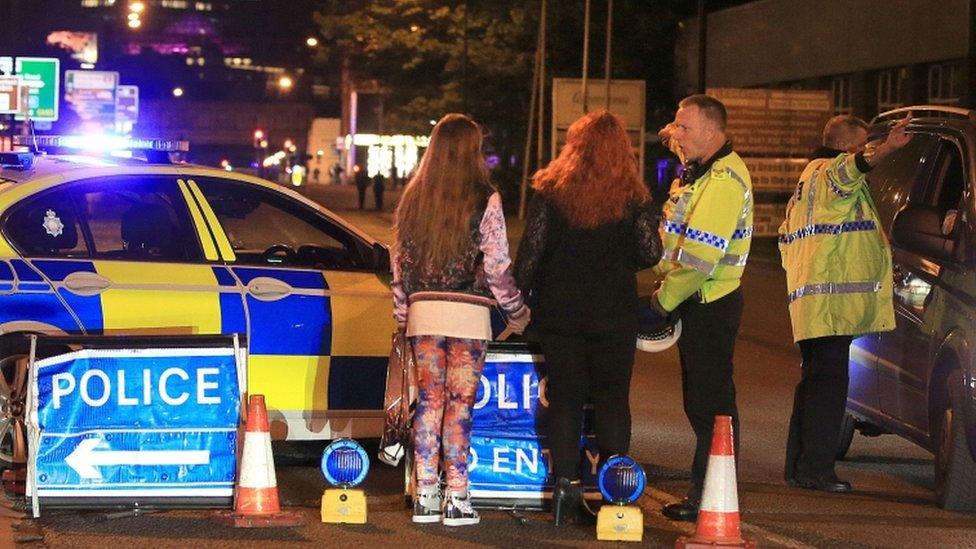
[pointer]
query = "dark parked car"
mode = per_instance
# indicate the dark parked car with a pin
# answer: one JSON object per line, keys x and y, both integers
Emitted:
{"x": 919, "y": 381}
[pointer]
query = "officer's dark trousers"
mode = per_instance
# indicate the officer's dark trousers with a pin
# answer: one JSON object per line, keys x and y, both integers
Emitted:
{"x": 706, "y": 347}
{"x": 595, "y": 367}
{"x": 818, "y": 407}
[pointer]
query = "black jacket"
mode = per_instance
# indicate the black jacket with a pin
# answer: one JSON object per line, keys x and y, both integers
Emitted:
{"x": 584, "y": 280}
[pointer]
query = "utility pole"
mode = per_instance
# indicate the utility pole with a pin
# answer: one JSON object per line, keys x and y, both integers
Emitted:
{"x": 464, "y": 64}
{"x": 536, "y": 104}
{"x": 586, "y": 53}
{"x": 607, "y": 60}
{"x": 702, "y": 44}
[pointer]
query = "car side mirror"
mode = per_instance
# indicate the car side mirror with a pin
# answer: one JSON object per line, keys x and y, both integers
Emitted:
{"x": 921, "y": 229}
{"x": 381, "y": 257}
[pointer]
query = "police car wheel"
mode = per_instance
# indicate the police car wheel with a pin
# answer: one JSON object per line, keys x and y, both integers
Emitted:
{"x": 13, "y": 402}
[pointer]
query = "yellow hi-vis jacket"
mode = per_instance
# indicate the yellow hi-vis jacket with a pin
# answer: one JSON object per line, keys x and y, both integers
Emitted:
{"x": 837, "y": 259}
{"x": 707, "y": 233}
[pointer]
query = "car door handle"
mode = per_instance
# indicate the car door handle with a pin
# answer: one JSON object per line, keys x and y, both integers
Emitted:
{"x": 86, "y": 284}
{"x": 265, "y": 288}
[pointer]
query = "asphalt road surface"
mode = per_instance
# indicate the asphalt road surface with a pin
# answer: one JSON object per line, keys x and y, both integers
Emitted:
{"x": 892, "y": 504}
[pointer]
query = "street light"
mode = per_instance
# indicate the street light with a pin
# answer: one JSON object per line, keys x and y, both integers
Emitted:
{"x": 134, "y": 23}
{"x": 137, "y": 7}
{"x": 312, "y": 41}
{"x": 285, "y": 83}
{"x": 177, "y": 92}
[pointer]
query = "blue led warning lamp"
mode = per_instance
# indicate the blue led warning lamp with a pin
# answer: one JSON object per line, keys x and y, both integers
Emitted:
{"x": 622, "y": 480}
{"x": 344, "y": 463}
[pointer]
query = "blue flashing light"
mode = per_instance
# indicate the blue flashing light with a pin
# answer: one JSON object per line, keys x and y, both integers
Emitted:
{"x": 344, "y": 463}
{"x": 622, "y": 480}
{"x": 102, "y": 143}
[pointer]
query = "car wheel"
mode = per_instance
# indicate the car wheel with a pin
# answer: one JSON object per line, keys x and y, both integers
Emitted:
{"x": 955, "y": 469}
{"x": 846, "y": 436}
{"x": 13, "y": 404}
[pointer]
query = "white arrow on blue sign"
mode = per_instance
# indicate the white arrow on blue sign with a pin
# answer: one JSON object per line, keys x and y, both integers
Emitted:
{"x": 85, "y": 459}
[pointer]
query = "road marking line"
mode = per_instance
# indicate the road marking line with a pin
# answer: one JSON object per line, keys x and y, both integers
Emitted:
{"x": 665, "y": 498}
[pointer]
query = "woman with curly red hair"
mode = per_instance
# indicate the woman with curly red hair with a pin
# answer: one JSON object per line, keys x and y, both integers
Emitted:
{"x": 591, "y": 227}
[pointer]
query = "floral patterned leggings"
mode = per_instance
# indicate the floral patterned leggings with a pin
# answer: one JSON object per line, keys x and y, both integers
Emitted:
{"x": 448, "y": 374}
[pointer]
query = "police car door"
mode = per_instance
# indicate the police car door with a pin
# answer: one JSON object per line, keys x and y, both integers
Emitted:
{"x": 138, "y": 265}
{"x": 319, "y": 312}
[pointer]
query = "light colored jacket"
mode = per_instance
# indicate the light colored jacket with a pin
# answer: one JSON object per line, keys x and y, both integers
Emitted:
{"x": 707, "y": 233}
{"x": 836, "y": 256}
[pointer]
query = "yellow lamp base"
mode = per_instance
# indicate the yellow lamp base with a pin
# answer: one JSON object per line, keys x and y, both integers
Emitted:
{"x": 342, "y": 505}
{"x": 620, "y": 523}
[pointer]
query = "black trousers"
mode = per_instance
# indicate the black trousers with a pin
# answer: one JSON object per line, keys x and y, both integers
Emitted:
{"x": 594, "y": 367}
{"x": 818, "y": 406}
{"x": 361, "y": 194}
{"x": 706, "y": 347}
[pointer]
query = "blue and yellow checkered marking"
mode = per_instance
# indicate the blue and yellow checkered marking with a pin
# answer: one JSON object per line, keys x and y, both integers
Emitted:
{"x": 706, "y": 238}
{"x": 298, "y": 324}
{"x": 828, "y": 228}
{"x": 88, "y": 309}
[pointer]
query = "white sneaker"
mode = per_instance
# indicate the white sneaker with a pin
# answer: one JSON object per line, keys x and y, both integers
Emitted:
{"x": 458, "y": 510}
{"x": 427, "y": 506}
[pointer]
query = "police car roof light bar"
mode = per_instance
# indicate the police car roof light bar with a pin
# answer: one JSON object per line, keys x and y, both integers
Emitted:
{"x": 103, "y": 143}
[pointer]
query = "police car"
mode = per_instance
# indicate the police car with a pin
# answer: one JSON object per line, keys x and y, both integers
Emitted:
{"x": 109, "y": 245}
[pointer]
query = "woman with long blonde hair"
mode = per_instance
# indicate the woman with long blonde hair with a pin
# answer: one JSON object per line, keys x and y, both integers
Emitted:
{"x": 591, "y": 227}
{"x": 450, "y": 258}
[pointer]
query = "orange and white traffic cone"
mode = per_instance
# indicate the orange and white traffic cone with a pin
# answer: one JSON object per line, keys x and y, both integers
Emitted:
{"x": 718, "y": 514}
{"x": 256, "y": 496}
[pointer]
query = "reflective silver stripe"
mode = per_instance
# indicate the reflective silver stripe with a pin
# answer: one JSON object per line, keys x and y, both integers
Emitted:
{"x": 811, "y": 192}
{"x": 678, "y": 214}
{"x": 691, "y": 260}
{"x": 842, "y": 174}
{"x": 834, "y": 288}
{"x": 734, "y": 260}
{"x": 699, "y": 264}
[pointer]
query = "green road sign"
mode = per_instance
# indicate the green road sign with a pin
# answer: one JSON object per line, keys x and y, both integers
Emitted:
{"x": 42, "y": 76}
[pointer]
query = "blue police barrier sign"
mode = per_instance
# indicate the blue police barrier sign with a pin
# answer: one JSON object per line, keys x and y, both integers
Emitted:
{"x": 509, "y": 458}
{"x": 134, "y": 423}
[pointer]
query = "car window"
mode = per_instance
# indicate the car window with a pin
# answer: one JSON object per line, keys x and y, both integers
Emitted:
{"x": 265, "y": 227}
{"x": 136, "y": 219}
{"x": 46, "y": 225}
{"x": 945, "y": 190}
{"x": 903, "y": 176}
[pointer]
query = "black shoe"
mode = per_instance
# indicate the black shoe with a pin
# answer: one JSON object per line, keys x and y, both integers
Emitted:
{"x": 686, "y": 510}
{"x": 826, "y": 483}
{"x": 567, "y": 500}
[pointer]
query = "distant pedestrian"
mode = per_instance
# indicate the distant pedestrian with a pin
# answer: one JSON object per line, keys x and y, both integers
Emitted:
{"x": 708, "y": 232}
{"x": 362, "y": 183}
{"x": 335, "y": 173}
{"x": 379, "y": 186}
{"x": 591, "y": 227}
{"x": 450, "y": 255}
{"x": 315, "y": 174}
{"x": 838, "y": 275}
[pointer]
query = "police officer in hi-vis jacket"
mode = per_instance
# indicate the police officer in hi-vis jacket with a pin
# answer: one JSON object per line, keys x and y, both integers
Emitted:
{"x": 707, "y": 233}
{"x": 838, "y": 275}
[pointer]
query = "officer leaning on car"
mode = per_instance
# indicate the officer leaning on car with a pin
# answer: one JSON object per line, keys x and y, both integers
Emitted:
{"x": 839, "y": 279}
{"x": 707, "y": 234}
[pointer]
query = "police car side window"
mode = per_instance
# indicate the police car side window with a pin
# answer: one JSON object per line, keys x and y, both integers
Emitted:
{"x": 136, "y": 219}
{"x": 46, "y": 225}
{"x": 268, "y": 228}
